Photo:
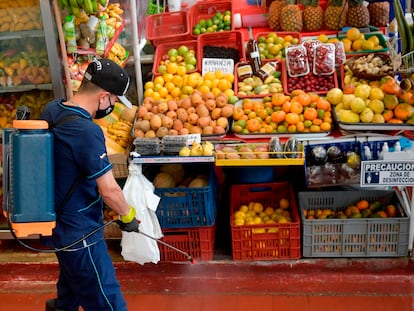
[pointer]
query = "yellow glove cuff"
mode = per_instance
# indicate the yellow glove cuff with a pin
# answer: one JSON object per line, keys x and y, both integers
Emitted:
{"x": 130, "y": 216}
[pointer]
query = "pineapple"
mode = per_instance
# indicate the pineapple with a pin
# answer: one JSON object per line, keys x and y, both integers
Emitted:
{"x": 335, "y": 14}
{"x": 379, "y": 13}
{"x": 312, "y": 15}
{"x": 358, "y": 14}
{"x": 291, "y": 17}
{"x": 274, "y": 12}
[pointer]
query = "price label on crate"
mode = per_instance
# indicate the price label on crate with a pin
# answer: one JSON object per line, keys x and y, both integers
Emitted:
{"x": 387, "y": 173}
{"x": 225, "y": 65}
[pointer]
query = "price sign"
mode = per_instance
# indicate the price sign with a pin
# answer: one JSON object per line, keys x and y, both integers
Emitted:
{"x": 225, "y": 65}
{"x": 387, "y": 173}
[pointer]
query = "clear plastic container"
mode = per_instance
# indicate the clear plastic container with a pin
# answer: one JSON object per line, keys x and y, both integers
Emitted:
{"x": 340, "y": 55}
{"x": 324, "y": 59}
{"x": 297, "y": 60}
{"x": 310, "y": 47}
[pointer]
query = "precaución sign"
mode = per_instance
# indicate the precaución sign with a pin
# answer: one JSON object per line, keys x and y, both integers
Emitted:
{"x": 387, "y": 173}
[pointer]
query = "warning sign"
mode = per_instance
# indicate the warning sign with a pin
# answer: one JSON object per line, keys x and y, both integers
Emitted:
{"x": 387, "y": 173}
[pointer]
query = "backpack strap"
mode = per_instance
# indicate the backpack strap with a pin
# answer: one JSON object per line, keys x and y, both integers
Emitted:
{"x": 77, "y": 181}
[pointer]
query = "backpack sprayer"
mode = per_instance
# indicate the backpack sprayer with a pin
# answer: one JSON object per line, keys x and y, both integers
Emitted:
{"x": 28, "y": 183}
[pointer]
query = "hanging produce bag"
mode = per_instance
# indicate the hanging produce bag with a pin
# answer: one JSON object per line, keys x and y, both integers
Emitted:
{"x": 139, "y": 192}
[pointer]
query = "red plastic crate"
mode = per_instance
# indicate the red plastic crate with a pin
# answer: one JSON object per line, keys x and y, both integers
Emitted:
{"x": 206, "y": 10}
{"x": 225, "y": 39}
{"x": 167, "y": 27}
{"x": 236, "y": 81}
{"x": 286, "y": 76}
{"x": 197, "y": 242}
{"x": 280, "y": 240}
{"x": 163, "y": 49}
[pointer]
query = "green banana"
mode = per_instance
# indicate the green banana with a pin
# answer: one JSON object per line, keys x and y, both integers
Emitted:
{"x": 103, "y": 2}
{"x": 65, "y": 3}
{"x": 61, "y": 4}
{"x": 73, "y": 4}
{"x": 87, "y": 6}
{"x": 76, "y": 11}
{"x": 95, "y": 6}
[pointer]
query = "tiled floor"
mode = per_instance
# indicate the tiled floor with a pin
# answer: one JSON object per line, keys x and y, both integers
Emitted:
{"x": 28, "y": 279}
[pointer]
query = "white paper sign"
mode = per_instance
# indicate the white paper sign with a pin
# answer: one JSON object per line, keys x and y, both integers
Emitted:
{"x": 225, "y": 65}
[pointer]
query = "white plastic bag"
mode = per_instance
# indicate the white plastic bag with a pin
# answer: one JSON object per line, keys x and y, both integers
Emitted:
{"x": 139, "y": 192}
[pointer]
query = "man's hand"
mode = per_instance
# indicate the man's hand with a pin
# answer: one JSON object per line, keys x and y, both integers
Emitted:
{"x": 128, "y": 222}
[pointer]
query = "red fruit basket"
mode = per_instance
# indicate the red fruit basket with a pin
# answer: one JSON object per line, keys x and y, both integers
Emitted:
{"x": 260, "y": 95}
{"x": 198, "y": 242}
{"x": 207, "y": 9}
{"x": 163, "y": 49}
{"x": 167, "y": 27}
{"x": 271, "y": 241}
{"x": 224, "y": 39}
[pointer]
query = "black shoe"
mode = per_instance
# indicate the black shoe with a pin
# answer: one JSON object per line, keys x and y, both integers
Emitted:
{"x": 51, "y": 305}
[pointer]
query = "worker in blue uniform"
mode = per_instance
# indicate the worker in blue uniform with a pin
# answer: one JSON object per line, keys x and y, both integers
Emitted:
{"x": 83, "y": 181}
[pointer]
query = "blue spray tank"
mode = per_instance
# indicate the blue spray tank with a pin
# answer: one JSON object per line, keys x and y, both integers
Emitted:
{"x": 28, "y": 178}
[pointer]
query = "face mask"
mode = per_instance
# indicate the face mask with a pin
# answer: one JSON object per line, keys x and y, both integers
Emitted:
{"x": 102, "y": 113}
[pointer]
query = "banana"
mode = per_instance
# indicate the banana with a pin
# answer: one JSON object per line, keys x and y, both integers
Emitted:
{"x": 103, "y": 2}
{"x": 73, "y": 4}
{"x": 87, "y": 6}
{"x": 94, "y": 6}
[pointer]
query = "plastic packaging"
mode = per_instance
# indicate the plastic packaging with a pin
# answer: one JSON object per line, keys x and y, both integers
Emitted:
{"x": 70, "y": 34}
{"x": 252, "y": 53}
{"x": 174, "y": 5}
{"x": 310, "y": 47}
{"x": 324, "y": 59}
{"x": 297, "y": 60}
{"x": 340, "y": 55}
{"x": 101, "y": 37}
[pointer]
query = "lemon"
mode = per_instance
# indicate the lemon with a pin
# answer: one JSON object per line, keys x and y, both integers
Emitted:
{"x": 377, "y": 106}
{"x": 358, "y": 105}
{"x": 367, "y": 115}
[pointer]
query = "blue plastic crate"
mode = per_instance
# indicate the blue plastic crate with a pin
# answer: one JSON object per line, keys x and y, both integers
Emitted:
{"x": 181, "y": 207}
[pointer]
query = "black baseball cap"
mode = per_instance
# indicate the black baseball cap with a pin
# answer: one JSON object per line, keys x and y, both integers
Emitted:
{"x": 109, "y": 76}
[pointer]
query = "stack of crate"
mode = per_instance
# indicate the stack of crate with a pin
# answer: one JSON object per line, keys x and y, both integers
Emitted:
{"x": 187, "y": 218}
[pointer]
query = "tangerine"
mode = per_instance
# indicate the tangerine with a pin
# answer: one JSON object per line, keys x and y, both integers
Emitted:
{"x": 292, "y": 118}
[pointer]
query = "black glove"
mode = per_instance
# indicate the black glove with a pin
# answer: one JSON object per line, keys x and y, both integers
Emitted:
{"x": 132, "y": 226}
{"x": 128, "y": 222}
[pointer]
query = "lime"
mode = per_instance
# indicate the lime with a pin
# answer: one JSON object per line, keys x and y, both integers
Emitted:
{"x": 202, "y": 22}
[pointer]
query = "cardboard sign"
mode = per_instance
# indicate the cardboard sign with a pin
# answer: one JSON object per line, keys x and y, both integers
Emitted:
{"x": 387, "y": 173}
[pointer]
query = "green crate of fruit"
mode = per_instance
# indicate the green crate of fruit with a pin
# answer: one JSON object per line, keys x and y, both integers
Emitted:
{"x": 352, "y": 237}
{"x": 382, "y": 41}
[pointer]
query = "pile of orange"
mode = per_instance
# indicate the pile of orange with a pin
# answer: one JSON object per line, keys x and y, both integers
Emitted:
{"x": 300, "y": 112}
{"x": 355, "y": 41}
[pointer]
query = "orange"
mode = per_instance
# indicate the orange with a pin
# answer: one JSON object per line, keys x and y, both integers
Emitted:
{"x": 362, "y": 204}
{"x": 382, "y": 214}
{"x": 159, "y": 80}
{"x": 253, "y": 125}
{"x": 391, "y": 210}
{"x": 172, "y": 68}
{"x": 247, "y": 104}
{"x": 284, "y": 203}
{"x": 278, "y": 116}
{"x": 357, "y": 45}
{"x": 323, "y": 104}
{"x": 353, "y": 34}
{"x": 310, "y": 113}
{"x": 296, "y": 107}
{"x": 286, "y": 107}
{"x": 325, "y": 126}
{"x": 292, "y": 118}
{"x": 278, "y": 99}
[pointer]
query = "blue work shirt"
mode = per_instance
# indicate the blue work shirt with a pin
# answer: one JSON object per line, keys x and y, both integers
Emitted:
{"x": 79, "y": 150}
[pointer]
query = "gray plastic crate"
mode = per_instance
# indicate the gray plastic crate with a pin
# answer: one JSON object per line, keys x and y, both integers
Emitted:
{"x": 362, "y": 237}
